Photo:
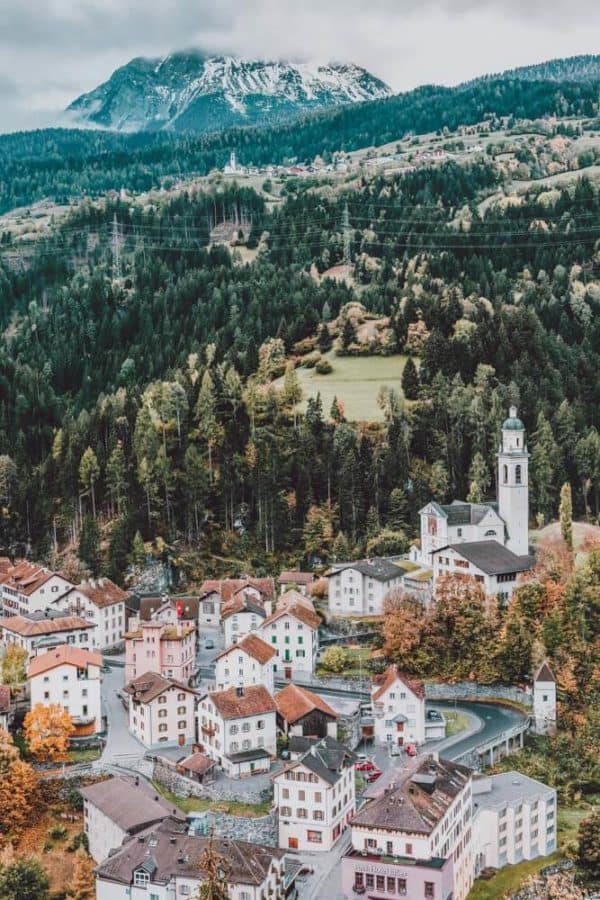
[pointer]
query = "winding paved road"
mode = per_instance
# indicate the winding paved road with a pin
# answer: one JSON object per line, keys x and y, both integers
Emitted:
{"x": 494, "y": 718}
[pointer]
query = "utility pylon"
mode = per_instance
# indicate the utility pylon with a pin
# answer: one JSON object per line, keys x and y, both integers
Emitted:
{"x": 347, "y": 233}
{"x": 116, "y": 249}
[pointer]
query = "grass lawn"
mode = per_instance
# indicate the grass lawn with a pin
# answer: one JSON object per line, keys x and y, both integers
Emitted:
{"x": 356, "y": 666}
{"x": 228, "y": 807}
{"x": 456, "y": 722}
{"x": 84, "y": 756}
{"x": 355, "y": 381}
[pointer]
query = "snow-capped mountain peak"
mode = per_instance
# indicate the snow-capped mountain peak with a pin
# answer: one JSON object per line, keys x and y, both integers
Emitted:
{"x": 192, "y": 92}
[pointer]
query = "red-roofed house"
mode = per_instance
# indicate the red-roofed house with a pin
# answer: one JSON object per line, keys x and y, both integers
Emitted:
{"x": 300, "y": 712}
{"x": 69, "y": 677}
{"x": 28, "y": 587}
{"x": 237, "y": 728}
{"x": 301, "y": 581}
{"x": 101, "y": 601}
{"x": 398, "y": 708}
{"x": 161, "y": 711}
{"x": 249, "y": 661}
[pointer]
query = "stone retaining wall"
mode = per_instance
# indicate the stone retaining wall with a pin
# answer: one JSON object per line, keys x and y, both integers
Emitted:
{"x": 469, "y": 690}
{"x": 261, "y": 830}
{"x": 166, "y": 774}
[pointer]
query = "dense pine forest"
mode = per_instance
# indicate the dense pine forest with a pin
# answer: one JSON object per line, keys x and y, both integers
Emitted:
{"x": 141, "y": 401}
{"x": 62, "y": 164}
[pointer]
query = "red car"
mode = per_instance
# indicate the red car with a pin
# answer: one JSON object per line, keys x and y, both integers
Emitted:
{"x": 373, "y": 775}
{"x": 365, "y": 765}
{"x": 410, "y": 749}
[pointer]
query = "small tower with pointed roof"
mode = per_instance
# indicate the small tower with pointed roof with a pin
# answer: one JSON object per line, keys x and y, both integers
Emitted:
{"x": 544, "y": 699}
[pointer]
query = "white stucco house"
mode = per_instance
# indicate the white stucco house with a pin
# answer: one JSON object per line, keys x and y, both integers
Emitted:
{"x": 40, "y": 631}
{"x": 102, "y": 602}
{"x": 161, "y": 711}
{"x": 250, "y": 661}
{"x": 315, "y": 797}
{"x": 27, "y": 587}
{"x": 164, "y": 862}
{"x": 398, "y": 709}
{"x": 514, "y": 819}
{"x": 293, "y": 631}
{"x": 237, "y": 728}
{"x": 488, "y": 541}
{"x": 243, "y": 615}
{"x": 359, "y": 588}
{"x": 69, "y": 677}
{"x": 119, "y": 808}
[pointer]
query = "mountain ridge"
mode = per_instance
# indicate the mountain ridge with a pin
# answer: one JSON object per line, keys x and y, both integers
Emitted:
{"x": 189, "y": 91}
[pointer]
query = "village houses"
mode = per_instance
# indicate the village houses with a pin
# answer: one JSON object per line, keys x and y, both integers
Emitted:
{"x": 243, "y": 615}
{"x": 156, "y": 646}
{"x": 27, "y": 587}
{"x": 69, "y": 677}
{"x": 413, "y": 836}
{"x": 237, "y": 728}
{"x": 168, "y": 610}
{"x": 359, "y": 588}
{"x": 398, "y": 709}
{"x": 250, "y": 661}
{"x": 100, "y": 601}
{"x": 165, "y": 861}
{"x": 161, "y": 711}
{"x": 315, "y": 797}
{"x": 117, "y": 809}
{"x": 300, "y": 581}
{"x": 40, "y": 631}
{"x": 514, "y": 818}
{"x": 301, "y": 713}
{"x": 293, "y": 631}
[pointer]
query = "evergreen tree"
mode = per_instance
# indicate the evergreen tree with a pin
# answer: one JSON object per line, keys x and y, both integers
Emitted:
{"x": 479, "y": 480}
{"x": 89, "y": 544}
{"x": 348, "y": 334}
{"x": 410, "y": 380}
{"x": 25, "y": 879}
{"x": 545, "y": 460}
{"x": 588, "y": 853}
{"x": 566, "y": 515}
{"x": 89, "y": 472}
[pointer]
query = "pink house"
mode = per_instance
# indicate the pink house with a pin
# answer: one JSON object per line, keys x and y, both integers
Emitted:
{"x": 163, "y": 647}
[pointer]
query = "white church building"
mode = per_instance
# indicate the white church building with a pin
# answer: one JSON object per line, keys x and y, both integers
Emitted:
{"x": 488, "y": 541}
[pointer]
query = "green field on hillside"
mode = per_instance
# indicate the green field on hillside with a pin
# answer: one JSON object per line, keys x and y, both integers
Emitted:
{"x": 355, "y": 381}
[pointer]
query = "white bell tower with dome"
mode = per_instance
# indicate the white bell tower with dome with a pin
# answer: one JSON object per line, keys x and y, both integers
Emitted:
{"x": 513, "y": 484}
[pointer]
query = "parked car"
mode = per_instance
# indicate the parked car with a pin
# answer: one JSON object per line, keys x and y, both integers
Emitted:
{"x": 209, "y": 644}
{"x": 364, "y": 765}
{"x": 434, "y": 715}
{"x": 373, "y": 775}
{"x": 410, "y": 749}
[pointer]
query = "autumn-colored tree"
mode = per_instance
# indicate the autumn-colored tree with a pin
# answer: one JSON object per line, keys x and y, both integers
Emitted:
{"x": 47, "y": 731}
{"x": 589, "y": 845}
{"x": 318, "y": 531}
{"x": 14, "y": 663}
{"x": 404, "y": 624}
{"x": 464, "y": 629}
{"x": 334, "y": 659}
{"x": 8, "y": 752}
{"x": 83, "y": 882}
{"x": 214, "y": 869}
{"x": 17, "y": 796}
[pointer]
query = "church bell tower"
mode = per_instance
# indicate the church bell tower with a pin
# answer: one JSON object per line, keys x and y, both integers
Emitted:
{"x": 513, "y": 484}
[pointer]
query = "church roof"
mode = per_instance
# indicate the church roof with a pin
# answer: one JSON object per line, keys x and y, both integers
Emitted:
{"x": 491, "y": 557}
{"x": 513, "y": 423}
{"x": 460, "y": 512}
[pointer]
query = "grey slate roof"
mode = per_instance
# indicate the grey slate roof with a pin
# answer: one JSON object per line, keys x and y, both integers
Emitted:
{"x": 459, "y": 512}
{"x": 173, "y": 851}
{"x": 129, "y": 805}
{"x": 379, "y": 568}
{"x": 491, "y": 557}
{"x": 493, "y": 791}
{"x": 417, "y": 799}
{"x": 327, "y": 758}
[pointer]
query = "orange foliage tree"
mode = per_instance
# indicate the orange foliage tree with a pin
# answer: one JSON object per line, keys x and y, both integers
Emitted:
{"x": 404, "y": 623}
{"x": 18, "y": 784}
{"x": 47, "y": 731}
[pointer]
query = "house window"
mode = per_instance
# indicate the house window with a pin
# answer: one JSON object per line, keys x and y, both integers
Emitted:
{"x": 181, "y": 696}
{"x": 180, "y": 710}
{"x": 162, "y": 727}
{"x": 429, "y": 889}
{"x": 518, "y": 474}
{"x": 141, "y": 878}
{"x": 505, "y": 474}
{"x": 182, "y": 724}
{"x": 459, "y": 532}
{"x": 162, "y": 713}
{"x": 234, "y": 747}
{"x": 162, "y": 699}
{"x": 314, "y": 837}
{"x": 409, "y": 849}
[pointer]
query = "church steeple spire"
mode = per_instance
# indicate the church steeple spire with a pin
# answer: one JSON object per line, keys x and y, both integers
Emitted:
{"x": 513, "y": 483}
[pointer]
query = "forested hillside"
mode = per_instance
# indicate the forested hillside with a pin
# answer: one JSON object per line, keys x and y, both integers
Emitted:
{"x": 61, "y": 164}
{"x": 145, "y": 402}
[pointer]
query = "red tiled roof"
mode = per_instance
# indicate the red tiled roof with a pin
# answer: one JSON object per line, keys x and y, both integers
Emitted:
{"x": 103, "y": 592}
{"x": 63, "y": 655}
{"x": 227, "y": 587}
{"x": 291, "y": 597}
{"x": 295, "y": 702}
{"x": 26, "y": 577}
{"x": 391, "y": 675}
{"x": 296, "y": 578}
{"x": 299, "y": 611}
{"x": 255, "y": 647}
{"x": 198, "y": 763}
{"x": 254, "y": 700}
{"x": 34, "y": 627}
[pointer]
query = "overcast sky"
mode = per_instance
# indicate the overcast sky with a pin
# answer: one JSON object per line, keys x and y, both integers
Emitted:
{"x": 53, "y": 50}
